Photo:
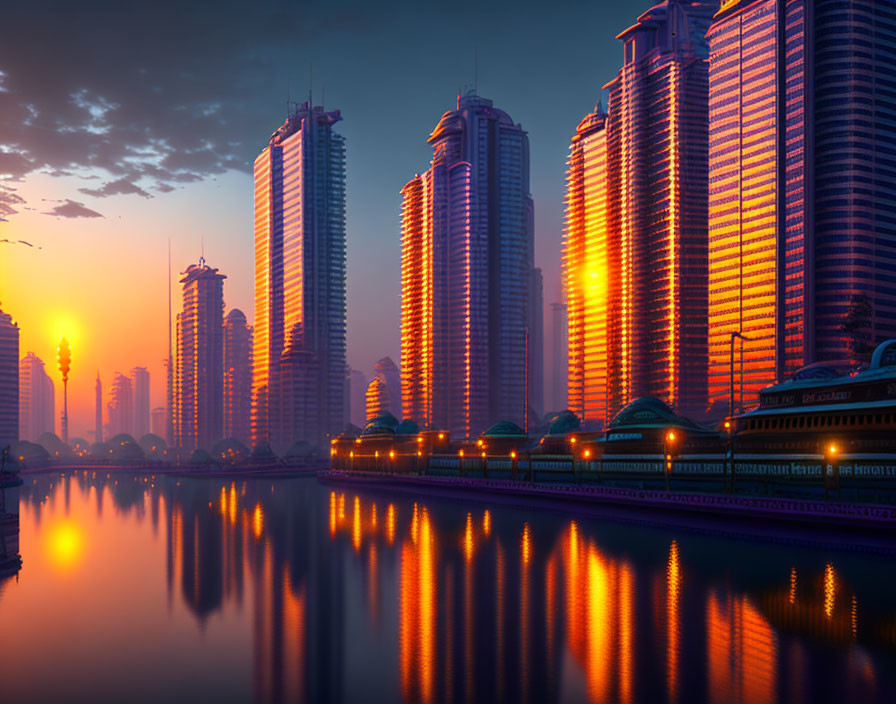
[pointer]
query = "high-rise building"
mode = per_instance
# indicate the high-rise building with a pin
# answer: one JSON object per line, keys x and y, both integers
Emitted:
{"x": 535, "y": 344}
{"x": 560, "y": 349}
{"x": 392, "y": 377}
{"x": 98, "y": 409}
{"x": 237, "y": 376}
{"x": 357, "y": 397}
{"x": 298, "y": 363}
{"x": 140, "y": 381}
{"x": 635, "y": 259}
{"x": 120, "y": 408}
{"x": 801, "y": 112}
{"x": 199, "y": 396}
{"x": 157, "y": 421}
{"x": 467, "y": 260}
{"x": 9, "y": 379}
{"x": 378, "y": 399}
{"x": 37, "y": 399}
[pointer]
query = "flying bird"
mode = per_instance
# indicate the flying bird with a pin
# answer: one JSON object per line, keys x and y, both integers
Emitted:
{"x": 5, "y": 241}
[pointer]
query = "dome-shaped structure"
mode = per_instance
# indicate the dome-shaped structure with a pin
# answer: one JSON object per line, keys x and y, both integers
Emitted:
{"x": 152, "y": 444}
{"x": 649, "y": 411}
{"x": 53, "y": 445}
{"x": 504, "y": 429}
{"x": 407, "y": 427}
{"x": 236, "y": 315}
{"x": 384, "y": 424}
{"x": 100, "y": 450}
{"x": 564, "y": 422}
{"x": 28, "y": 452}
{"x": 79, "y": 446}
{"x": 126, "y": 449}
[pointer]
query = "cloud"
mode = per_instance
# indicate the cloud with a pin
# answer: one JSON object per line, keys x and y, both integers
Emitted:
{"x": 163, "y": 188}
{"x": 8, "y": 200}
{"x": 177, "y": 102}
{"x": 113, "y": 188}
{"x": 73, "y": 209}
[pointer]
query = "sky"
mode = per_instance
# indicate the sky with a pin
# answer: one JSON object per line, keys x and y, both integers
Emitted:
{"x": 124, "y": 126}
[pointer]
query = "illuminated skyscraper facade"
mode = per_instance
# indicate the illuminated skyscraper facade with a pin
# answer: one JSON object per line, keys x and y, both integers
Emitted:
{"x": 378, "y": 398}
{"x": 299, "y": 335}
{"x": 467, "y": 261}
{"x": 237, "y": 376}
{"x": 199, "y": 393}
{"x": 801, "y": 110}
{"x": 635, "y": 253}
{"x": 9, "y": 379}
{"x": 37, "y": 401}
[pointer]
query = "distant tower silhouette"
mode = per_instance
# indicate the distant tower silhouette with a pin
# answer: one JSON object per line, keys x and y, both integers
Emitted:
{"x": 237, "y": 376}
{"x": 98, "y": 409}
{"x": 37, "y": 402}
{"x": 140, "y": 379}
{"x": 9, "y": 379}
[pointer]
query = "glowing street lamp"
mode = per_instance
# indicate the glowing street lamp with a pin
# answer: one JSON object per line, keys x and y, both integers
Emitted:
{"x": 64, "y": 358}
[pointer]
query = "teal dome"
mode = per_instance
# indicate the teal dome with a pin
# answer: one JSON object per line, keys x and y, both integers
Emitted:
{"x": 505, "y": 429}
{"x": 564, "y": 422}
{"x": 407, "y": 427}
{"x": 384, "y": 424}
{"x": 649, "y": 411}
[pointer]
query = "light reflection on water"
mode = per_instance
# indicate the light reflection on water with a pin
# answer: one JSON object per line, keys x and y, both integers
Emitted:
{"x": 146, "y": 588}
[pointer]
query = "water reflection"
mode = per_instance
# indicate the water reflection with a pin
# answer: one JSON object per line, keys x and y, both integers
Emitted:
{"x": 311, "y": 593}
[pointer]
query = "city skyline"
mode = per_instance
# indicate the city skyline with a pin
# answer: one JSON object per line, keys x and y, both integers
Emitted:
{"x": 71, "y": 297}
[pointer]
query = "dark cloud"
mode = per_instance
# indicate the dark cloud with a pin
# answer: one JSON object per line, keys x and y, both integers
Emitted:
{"x": 73, "y": 209}
{"x": 148, "y": 92}
{"x": 163, "y": 188}
{"x": 114, "y": 188}
{"x": 8, "y": 200}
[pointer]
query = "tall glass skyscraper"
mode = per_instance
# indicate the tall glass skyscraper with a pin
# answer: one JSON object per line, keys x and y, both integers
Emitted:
{"x": 635, "y": 251}
{"x": 467, "y": 275}
{"x": 199, "y": 394}
{"x": 299, "y": 336}
{"x": 803, "y": 181}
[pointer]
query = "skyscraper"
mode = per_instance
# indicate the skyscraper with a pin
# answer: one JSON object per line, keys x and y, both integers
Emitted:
{"x": 298, "y": 363}
{"x": 9, "y": 379}
{"x": 37, "y": 400}
{"x": 467, "y": 260}
{"x": 802, "y": 184}
{"x": 198, "y": 398}
{"x": 121, "y": 406}
{"x": 635, "y": 253}
{"x": 378, "y": 398}
{"x": 237, "y": 376}
{"x": 140, "y": 381}
{"x": 157, "y": 421}
{"x": 392, "y": 377}
{"x": 98, "y": 410}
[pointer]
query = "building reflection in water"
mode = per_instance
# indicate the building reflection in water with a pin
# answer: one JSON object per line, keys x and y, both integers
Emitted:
{"x": 473, "y": 604}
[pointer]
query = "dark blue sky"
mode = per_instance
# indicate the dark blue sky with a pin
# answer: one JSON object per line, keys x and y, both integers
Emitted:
{"x": 138, "y": 99}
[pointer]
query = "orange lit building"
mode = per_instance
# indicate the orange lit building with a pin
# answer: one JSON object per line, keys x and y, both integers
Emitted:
{"x": 298, "y": 359}
{"x": 802, "y": 182}
{"x": 469, "y": 358}
{"x": 237, "y": 376}
{"x": 9, "y": 379}
{"x": 635, "y": 259}
{"x": 378, "y": 397}
{"x": 198, "y": 412}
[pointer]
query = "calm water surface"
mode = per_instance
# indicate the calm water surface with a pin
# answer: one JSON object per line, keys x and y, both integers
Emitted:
{"x": 146, "y": 589}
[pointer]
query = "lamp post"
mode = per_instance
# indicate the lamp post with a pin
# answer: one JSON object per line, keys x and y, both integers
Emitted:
{"x": 64, "y": 357}
{"x": 743, "y": 338}
{"x": 668, "y": 445}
